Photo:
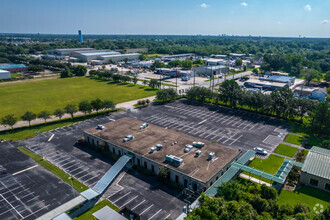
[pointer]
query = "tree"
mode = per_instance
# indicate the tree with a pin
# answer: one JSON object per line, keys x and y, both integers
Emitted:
{"x": 44, "y": 115}
{"x": 255, "y": 71}
{"x": 310, "y": 74}
{"x": 97, "y": 104}
{"x": 135, "y": 80}
{"x": 320, "y": 119}
{"x": 108, "y": 104}
{"x": 70, "y": 109}
{"x": 163, "y": 173}
{"x": 154, "y": 83}
{"x": 29, "y": 116}
{"x": 143, "y": 57}
{"x": 66, "y": 73}
{"x": 116, "y": 78}
{"x": 187, "y": 64}
{"x": 85, "y": 107}
{"x": 59, "y": 113}
{"x": 158, "y": 64}
{"x": 238, "y": 62}
{"x": 126, "y": 60}
{"x": 36, "y": 68}
{"x": 230, "y": 91}
{"x": 80, "y": 70}
{"x": 145, "y": 82}
{"x": 9, "y": 120}
{"x": 327, "y": 76}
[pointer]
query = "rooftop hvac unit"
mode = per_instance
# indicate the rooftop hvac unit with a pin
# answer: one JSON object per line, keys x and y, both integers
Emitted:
{"x": 198, "y": 144}
{"x": 153, "y": 149}
{"x": 188, "y": 148}
{"x": 177, "y": 161}
{"x": 169, "y": 158}
{"x": 198, "y": 153}
{"x": 211, "y": 155}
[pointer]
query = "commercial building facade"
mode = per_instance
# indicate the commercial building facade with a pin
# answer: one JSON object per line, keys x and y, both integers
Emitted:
{"x": 316, "y": 169}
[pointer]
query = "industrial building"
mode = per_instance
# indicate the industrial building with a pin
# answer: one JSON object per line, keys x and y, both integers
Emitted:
{"x": 210, "y": 70}
{"x": 115, "y": 58}
{"x": 69, "y": 51}
{"x": 13, "y": 67}
{"x": 308, "y": 92}
{"x": 263, "y": 85}
{"x": 215, "y": 62}
{"x": 4, "y": 74}
{"x": 280, "y": 79}
{"x": 316, "y": 169}
{"x": 155, "y": 147}
{"x": 92, "y": 55}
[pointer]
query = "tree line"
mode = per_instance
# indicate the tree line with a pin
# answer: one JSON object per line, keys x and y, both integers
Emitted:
{"x": 280, "y": 103}
{"x": 84, "y": 106}
{"x": 118, "y": 78}
{"x": 242, "y": 199}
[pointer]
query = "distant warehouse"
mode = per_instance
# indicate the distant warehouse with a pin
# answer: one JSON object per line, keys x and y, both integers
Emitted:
{"x": 13, "y": 67}
{"x": 270, "y": 83}
{"x": 115, "y": 58}
{"x": 190, "y": 163}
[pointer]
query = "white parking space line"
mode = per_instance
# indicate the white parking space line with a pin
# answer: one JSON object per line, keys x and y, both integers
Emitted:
{"x": 155, "y": 214}
{"x": 24, "y": 170}
{"x": 122, "y": 197}
{"x": 167, "y": 216}
{"x": 202, "y": 122}
{"x": 146, "y": 209}
{"x": 138, "y": 204}
{"x": 51, "y": 137}
{"x": 128, "y": 201}
{"x": 236, "y": 140}
{"x": 11, "y": 206}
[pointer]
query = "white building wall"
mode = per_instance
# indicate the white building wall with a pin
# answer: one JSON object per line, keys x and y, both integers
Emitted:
{"x": 4, "y": 74}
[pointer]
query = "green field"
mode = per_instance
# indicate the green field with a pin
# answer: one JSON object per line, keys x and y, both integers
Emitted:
{"x": 305, "y": 194}
{"x": 36, "y": 96}
{"x": 286, "y": 150}
{"x": 294, "y": 139}
{"x": 269, "y": 165}
{"x": 89, "y": 214}
{"x": 80, "y": 187}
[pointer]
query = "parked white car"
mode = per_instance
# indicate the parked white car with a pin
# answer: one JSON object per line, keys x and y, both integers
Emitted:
{"x": 260, "y": 150}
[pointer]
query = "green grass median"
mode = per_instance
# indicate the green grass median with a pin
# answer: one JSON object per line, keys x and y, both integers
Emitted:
{"x": 89, "y": 214}
{"x": 80, "y": 187}
{"x": 286, "y": 150}
{"x": 294, "y": 139}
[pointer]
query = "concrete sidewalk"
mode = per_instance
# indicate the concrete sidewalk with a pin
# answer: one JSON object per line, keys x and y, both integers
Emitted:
{"x": 124, "y": 105}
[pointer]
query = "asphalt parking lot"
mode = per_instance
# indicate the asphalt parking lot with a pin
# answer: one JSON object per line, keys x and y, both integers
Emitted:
{"x": 145, "y": 195}
{"x": 152, "y": 199}
{"x": 26, "y": 189}
{"x": 233, "y": 128}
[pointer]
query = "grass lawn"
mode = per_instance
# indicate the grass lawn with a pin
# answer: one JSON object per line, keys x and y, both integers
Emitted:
{"x": 269, "y": 165}
{"x": 49, "y": 94}
{"x": 88, "y": 215}
{"x": 294, "y": 139}
{"x": 286, "y": 150}
{"x": 27, "y": 132}
{"x": 305, "y": 194}
{"x": 54, "y": 169}
{"x": 305, "y": 152}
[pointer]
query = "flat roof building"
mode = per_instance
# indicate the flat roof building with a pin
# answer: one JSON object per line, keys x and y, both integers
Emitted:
{"x": 215, "y": 62}
{"x": 196, "y": 172}
{"x": 68, "y": 51}
{"x": 4, "y": 74}
{"x": 264, "y": 85}
{"x": 13, "y": 67}
{"x": 210, "y": 70}
{"x": 280, "y": 79}
{"x": 115, "y": 58}
{"x": 316, "y": 169}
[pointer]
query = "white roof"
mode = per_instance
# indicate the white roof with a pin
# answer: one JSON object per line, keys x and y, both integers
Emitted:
{"x": 106, "y": 213}
{"x": 4, "y": 71}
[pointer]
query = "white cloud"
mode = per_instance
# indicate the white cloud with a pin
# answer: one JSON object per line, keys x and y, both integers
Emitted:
{"x": 204, "y": 5}
{"x": 244, "y": 4}
{"x": 325, "y": 21}
{"x": 308, "y": 8}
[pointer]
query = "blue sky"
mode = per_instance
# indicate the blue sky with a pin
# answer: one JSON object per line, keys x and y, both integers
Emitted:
{"x": 207, "y": 17}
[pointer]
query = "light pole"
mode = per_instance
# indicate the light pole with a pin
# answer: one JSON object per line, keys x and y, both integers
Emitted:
{"x": 73, "y": 191}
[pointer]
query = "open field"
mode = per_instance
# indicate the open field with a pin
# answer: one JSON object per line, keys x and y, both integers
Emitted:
{"x": 306, "y": 195}
{"x": 294, "y": 139}
{"x": 89, "y": 214}
{"x": 48, "y": 95}
{"x": 286, "y": 150}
